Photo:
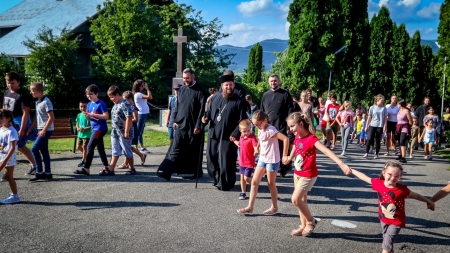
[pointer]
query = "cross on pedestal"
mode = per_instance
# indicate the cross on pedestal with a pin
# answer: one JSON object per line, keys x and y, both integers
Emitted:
{"x": 180, "y": 39}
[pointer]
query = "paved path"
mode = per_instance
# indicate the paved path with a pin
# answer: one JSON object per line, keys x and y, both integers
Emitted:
{"x": 143, "y": 213}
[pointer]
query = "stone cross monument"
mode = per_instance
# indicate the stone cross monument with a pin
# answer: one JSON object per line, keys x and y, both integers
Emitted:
{"x": 180, "y": 39}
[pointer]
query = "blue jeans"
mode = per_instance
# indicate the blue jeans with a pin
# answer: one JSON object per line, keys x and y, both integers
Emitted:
{"x": 40, "y": 146}
{"x": 140, "y": 127}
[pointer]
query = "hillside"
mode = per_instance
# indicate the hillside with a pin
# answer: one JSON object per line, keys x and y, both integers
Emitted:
{"x": 240, "y": 61}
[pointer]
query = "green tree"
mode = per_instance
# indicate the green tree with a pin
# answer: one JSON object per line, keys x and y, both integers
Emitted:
{"x": 131, "y": 44}
{"x": 314, "y": 35}
{"x": 430, "y": 81}
{"x": 53, "y": 61}
{"x": 355, "y": 57}
{"x": 254, "y": 68}
{"x": 400, "y": 60}
{"x": 381, "y": 41}
{"x": 415, "y": 70}
{"x": 444, "y": 50}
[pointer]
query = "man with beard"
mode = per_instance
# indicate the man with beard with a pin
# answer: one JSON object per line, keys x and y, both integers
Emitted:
{"x": 278, "y": 104}
{"x": 227, "y": 110}
{"x": 186, "y": 150}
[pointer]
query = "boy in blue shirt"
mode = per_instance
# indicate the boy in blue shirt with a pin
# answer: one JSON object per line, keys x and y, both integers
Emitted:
{"x": 170, "y": 115}
{"x": 97, "y": 113}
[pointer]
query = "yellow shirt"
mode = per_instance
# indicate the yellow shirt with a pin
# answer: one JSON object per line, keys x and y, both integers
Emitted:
{"x": 359, "y": 126}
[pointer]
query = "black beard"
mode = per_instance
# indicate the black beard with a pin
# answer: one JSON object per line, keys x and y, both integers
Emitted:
{"x": 226, "y": 95}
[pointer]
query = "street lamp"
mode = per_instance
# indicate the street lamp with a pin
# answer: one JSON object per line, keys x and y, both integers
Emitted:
{"x": 335, "y": 53}
{"x": 443, "y": 90}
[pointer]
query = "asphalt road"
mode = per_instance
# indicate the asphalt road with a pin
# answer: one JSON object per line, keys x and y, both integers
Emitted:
{"x": 143, "y": 213}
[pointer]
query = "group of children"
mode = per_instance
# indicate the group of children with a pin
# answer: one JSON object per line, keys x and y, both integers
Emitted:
{"x": 91, "y": 127}
{"x": 391, "y": 193}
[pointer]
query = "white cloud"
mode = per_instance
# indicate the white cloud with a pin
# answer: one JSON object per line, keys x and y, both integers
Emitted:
{"x": 430, "y": 12}
{"x": 409, "y": 3}
{"x": 264, "y": 7}
{"x": 429, "y": 30}
{"x": 383, "y": 2}
{"x": 239, "y": 28}
{"x": 286, "y": 27}
{"x": 243, "y": 34}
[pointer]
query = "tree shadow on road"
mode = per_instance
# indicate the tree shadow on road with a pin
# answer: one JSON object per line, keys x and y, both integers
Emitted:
{"x": 92, "y": 205}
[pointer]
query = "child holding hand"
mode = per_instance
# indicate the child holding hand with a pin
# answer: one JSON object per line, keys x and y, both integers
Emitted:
{"x": 304, "y": 151}
{"x": 247, "y": 155}
{"x": 391, "y": 201}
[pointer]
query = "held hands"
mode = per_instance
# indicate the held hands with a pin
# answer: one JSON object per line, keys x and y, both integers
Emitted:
{"x": 347, "y": 171}
{"x": 256, "y": 151}
{"x": 430, "y": 205}
{"x": 285, "y": 160}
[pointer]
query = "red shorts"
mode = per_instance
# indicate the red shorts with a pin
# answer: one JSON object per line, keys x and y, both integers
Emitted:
{"x": 323, "y": 125}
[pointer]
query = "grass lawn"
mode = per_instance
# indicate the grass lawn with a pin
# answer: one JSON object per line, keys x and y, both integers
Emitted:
{"x": 445, "y": 153}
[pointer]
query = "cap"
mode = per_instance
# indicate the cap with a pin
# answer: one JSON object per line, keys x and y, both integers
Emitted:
{"x": 177, "y": 86}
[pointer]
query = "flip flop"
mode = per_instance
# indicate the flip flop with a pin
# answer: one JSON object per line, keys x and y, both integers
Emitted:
{"x": 270, "y": 212}
{"x": 244, "y": 211}
{"x": 144, "y": 156}
{"x": 130, "y": 172}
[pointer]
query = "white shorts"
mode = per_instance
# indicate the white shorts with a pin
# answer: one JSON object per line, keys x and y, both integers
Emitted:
{"x": 12, "y": 160}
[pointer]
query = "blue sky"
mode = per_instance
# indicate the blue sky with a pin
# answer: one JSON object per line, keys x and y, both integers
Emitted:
{"x": 250, "y": 21}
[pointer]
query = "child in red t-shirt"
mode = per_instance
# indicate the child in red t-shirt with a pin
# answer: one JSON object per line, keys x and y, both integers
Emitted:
{"x": 332, "y": 127}
{"x": 391, "y": 201}
{"x": 247, "y": 155}
{"x": 305, "y": 174}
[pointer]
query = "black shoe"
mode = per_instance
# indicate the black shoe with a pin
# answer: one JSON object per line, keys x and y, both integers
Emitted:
{"x": 32, "y": 171}
{"x": 192, "y": 177}
{"x": 399, "y": 158}
{"x": 81, "y": 171}
{"x": 81, "y": 164}
{"x": 3, "y": 177}
{"x": 37, "y": 177}
{"x": 164, "y": 175}
{"x": 49, "y": 176}
{"x": 402, "y": 160}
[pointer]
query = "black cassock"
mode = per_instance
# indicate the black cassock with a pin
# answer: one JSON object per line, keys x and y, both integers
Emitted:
{"x": 185, "y": 150}
{"x": 221, "y": 153}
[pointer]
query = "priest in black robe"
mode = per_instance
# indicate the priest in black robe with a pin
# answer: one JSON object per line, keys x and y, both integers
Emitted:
{"x": 227, "y": 110}
{"x": 278, "y": 104}
{"x": 185, "y": 153}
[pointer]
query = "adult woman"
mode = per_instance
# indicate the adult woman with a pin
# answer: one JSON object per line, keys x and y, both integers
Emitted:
{"x": 376, "y": 123}
{"x": 307, "y": 109}
{"x": 345, "y": 121}
{"x": 391, "y": 126}
{"x": 403, "y": 130}
{"x": 141, "y": 103}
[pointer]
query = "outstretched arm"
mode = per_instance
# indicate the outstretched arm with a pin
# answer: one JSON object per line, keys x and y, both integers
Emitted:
{"x": 419, "y": 197}
{"x": 362, "y": 176}
{"x": 441, "y": 193}
{"x": 344, "y": 167}
{"x": 282, "y": 137}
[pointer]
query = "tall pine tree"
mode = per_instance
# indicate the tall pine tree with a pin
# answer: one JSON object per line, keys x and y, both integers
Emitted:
{"x": 314, "y": 35}
{"x": 415, "y": 70}
{"x": 400, "y": 60}
{"x": 381, "y": 40}
{"x": 430, "y": 82}
{"x": 254, "y": 68}
{"x": 444, "y": 42}
{"x": 355, "y": 58}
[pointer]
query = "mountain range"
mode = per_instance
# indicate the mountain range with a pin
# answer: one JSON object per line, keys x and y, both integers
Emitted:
{"x": 240, "y": 60}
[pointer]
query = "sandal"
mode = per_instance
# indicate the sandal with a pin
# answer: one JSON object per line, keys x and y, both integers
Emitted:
{"x": 81, "y": 171}
{"x": 107, "y": 172}
{"x": 387, "y": 154}
{"x": 271, "y": 211}
{"x": 144, "y": 156}
{"x": 309, "y": 231}
{"x": 122, "y": 166}
{"x": 131, "y": 172}
{"x": 298, "y": 231}
{"x": 245, "y": 211}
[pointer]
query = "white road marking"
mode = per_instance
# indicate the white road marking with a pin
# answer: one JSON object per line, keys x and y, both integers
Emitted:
{"x": 343, "y": 224}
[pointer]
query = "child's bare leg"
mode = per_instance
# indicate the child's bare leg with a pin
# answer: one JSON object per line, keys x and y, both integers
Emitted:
{"x": 9, "y": 174}
{"x": 113, "y": 163}
{"x": 136, "y": 151}
{"x": 329, "y": 138}
{"x": 334, "y": 137}
{"x": 425, "y": 149}
{"x": 130, "y": 162}
{"x": 84, "y": 150}
{"x": 80, "y": 148}
{"x": 243, "y": 184}
{"x": 299, "y": 199}
{"x": 271, "y": 177}
{"x": 430, "y": 149}
{"x": 257, "y": 176}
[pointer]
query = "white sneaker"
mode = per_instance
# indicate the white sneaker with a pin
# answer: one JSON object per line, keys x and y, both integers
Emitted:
{"x": 343, "y": 153}
{"x": 411, "y": 157}
{"x": 143, "y": 150}
{"x": 12, "y": 199}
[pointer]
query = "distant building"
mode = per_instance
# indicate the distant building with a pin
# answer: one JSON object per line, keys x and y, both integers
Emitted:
{"x": 25, "y": 19}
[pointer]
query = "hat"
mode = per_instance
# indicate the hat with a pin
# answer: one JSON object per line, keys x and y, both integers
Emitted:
{"x": 177, "y": 86}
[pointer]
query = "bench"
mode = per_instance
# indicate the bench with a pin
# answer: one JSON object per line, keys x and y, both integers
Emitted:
{"x": 63, "y": 129}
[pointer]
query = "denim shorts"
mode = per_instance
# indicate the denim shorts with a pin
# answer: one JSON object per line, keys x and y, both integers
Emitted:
{"x": 119, "y": 145}
{"x": 271, "y": 167}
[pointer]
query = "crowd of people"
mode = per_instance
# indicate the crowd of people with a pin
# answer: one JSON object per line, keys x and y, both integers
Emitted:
{"x": 275, "y": 137}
